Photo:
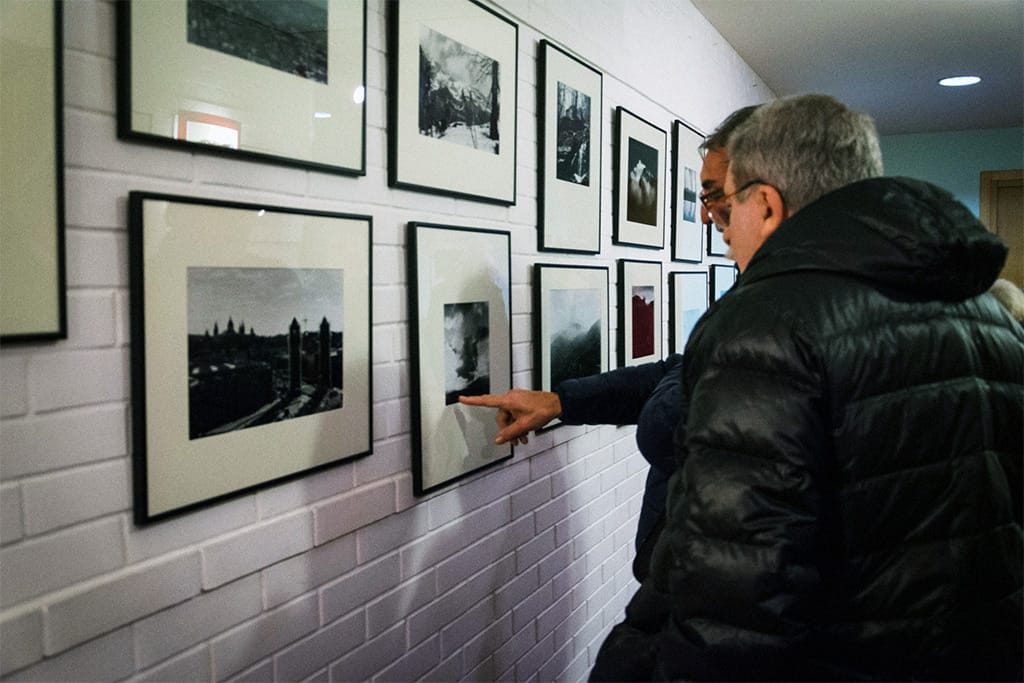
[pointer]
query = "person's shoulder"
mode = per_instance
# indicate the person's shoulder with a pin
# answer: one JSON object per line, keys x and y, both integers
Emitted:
{"x": 1010, "y": 296}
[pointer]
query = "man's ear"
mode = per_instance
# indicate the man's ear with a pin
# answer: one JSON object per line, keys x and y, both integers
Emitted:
{"x": 773, "y": 209}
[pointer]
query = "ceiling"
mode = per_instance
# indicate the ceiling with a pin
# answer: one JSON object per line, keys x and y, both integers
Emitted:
{"x": 885, "y": 57}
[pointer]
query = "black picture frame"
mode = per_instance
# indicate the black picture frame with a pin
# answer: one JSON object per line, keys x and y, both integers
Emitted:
{"x": 687, "y": 231}
{"x": 716, "y": 243}
{"x": 228, "y": 394}
{"x": 722, "y": 278}
{"x": 33, "y": 299}
{"x": 640, "y": 317}
{"x": 456, "y": 142}
{"x": 640, "y": 182}
{"x": 569, "y": 106}
{"x": 460, "y": 344}
{"x": 303, "y": 103}
{"x": 687, "y": 301}
{"x": 570, "y": 323}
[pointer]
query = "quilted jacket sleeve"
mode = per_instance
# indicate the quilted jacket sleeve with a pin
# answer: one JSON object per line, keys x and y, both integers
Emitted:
{"x": 615, "y": 397}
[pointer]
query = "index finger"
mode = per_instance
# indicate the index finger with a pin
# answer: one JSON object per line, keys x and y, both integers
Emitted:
{"x": 486, "y": 400}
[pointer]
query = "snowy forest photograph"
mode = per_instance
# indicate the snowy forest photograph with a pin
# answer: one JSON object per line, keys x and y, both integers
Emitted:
{"x": 458, "y": 93}
{"x": 573, "y": 133}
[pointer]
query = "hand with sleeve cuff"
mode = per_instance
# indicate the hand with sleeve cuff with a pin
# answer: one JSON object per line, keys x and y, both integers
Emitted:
{"x": 520, "y": 411}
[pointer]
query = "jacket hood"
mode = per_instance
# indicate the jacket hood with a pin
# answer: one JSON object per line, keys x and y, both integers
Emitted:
{"x": 909, "y": 238}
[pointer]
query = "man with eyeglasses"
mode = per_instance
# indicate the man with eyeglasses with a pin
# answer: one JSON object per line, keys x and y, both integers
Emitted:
{"x": 848, "y": 504}
{"x": 645, "y": 395}
{"x": 715, "y": 154}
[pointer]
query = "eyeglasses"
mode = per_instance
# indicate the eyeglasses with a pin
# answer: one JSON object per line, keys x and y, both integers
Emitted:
{"x": 712, "y": 197}
{"x": 718, "y": 195}
{"x": 744, "y": 186}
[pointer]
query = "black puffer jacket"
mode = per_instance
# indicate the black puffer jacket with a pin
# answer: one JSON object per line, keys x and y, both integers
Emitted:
{"x": 849, "y": 499}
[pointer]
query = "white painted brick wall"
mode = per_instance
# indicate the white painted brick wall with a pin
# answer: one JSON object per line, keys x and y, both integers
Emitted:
{"x": 21, "y": 639}
{"x": 178, "y": 628}
{"x": 256, "y": 547}
{"x": 120, "y": 598}
{"x": 399, "y": 603}
{"x": 259, "y": 638}
{"x": 306, "y": 572}
{"x": 48, "y": 563}
{"x": 353, "y": 590}
{"x": 315, "y": 652}
{"x": 192, "y": 665}
{"x": 75, "y": 495}
{"x": 12, "y": 525}
{"x": 515, "y": 573}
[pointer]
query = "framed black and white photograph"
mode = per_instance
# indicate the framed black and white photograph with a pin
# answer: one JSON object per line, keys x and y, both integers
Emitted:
{"x": 640, "y": 321}
{"x": 452, "y": 78}
{"x": 716, "y": 243}
{"x": 569, "y": 136}
{"x": 279, "y": 81}
{"x": 640, "y": 165}
{"x": 33, "y": 299}
{"x": 687, "y": 231}
{"x": 251, "y": 347}
{"x": 571, "y": 326}
{"x": 722, "y": 280}
{"x": 687, "y": 301}
{"x": 461, "y": 342}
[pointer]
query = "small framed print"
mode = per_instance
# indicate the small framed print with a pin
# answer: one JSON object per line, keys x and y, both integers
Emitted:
{"x": 722, "y": 280}
{"x": 639, "y": 181}
{"x": 570, "y": 323}
{"x": 687, "y": 301}
{"x": 716, "y": 243}
{"x": 687, "y": 232}
{"x": 251, "y": 348}
{"x": 283, "y": 82}
{"x": 33, "y": 298}
{"x": 452, "y": 79}
{"x": 461, "y": 339}
{"x": 639, "y": 312}
{"x": 569, "y": 134}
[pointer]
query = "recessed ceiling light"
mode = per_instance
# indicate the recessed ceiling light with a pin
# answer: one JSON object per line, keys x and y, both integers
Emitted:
{"x": 958, "y": 81}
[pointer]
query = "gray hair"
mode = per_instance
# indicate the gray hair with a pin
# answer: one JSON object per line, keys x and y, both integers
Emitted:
{"x": 719, "y": 138}
{"x": 805, "y": 147}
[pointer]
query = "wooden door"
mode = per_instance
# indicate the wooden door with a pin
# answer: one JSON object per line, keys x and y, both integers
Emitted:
{"x": 1001, "y": 204}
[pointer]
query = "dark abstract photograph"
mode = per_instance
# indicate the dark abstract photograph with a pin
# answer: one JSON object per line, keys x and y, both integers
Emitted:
{"x": 643, "y": 321}
{"x": 287, "y": 35}
{"x": 264, "y": 345}
{"x": 690, "y": 195}
{"x": 642, "y": 191}
{"x": 573, "y": 135}
{"x": 575, "y": 340}
{"x": 458, "y": 93}
{"x": 467, "y": 370}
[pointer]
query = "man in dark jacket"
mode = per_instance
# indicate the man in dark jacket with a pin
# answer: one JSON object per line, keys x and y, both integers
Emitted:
{"x": 848, "y": 503}
{"x": 646, "y": 395}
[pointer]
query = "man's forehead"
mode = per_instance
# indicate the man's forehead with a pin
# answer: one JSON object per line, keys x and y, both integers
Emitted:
{"x": 712, "y": 173}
